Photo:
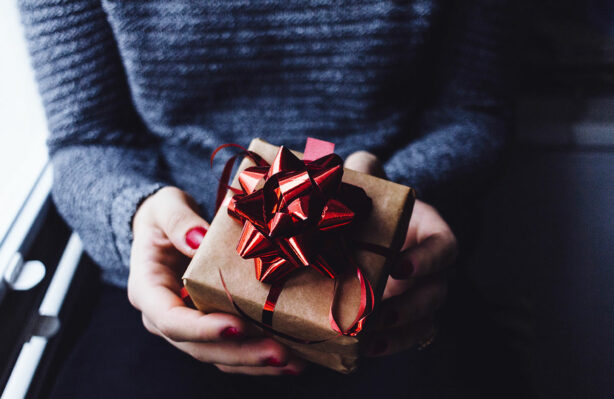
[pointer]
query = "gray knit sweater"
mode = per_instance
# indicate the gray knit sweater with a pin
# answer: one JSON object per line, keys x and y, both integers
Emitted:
{"x": 138, "y": 93}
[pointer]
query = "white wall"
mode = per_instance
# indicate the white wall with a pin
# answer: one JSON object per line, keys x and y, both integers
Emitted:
{"x": 22, "y": 121}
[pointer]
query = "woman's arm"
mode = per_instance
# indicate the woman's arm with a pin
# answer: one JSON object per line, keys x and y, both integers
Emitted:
{"x": 462, "y": 134}
{"x": 464, "y": 128}
{"x": 104, "y": 162}
{"x": 105, "y": 168}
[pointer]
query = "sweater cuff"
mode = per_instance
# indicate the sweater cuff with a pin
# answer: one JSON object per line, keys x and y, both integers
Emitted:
{"x": 399, "y": 170}
{"x": 122, "y": 211}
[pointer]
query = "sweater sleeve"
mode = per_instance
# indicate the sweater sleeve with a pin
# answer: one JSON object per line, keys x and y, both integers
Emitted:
{"x": 463, "y": 128}
{"x": 103, "y": 160}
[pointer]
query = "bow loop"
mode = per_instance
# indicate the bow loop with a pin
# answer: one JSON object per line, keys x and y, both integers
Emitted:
{"x": 251, "y": 178}
{"x": 284, "y": 207}
{"x": 285, "y": 161}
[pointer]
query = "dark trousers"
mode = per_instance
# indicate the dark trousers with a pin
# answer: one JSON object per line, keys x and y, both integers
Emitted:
{"x": 105, "y": 352}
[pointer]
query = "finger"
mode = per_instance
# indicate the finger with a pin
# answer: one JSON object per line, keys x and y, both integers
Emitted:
{"x": 153, "y": 290}
{"x": 260, "y": 352}
{"x": 294, "y": 367}
{"x": 396, "y": 287}
{"x": 399, "y": 339}
{"x": 429, "y": 246}
{"x": 365, "y": 162}
{"x": 420, "y": 302}
{"x": 167, "y": 312}
{"x": 432, "y": 255}
{"x": 176, "y": 215}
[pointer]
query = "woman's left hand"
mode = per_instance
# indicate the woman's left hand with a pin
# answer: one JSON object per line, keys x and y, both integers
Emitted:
{"x": 417, "y": 286}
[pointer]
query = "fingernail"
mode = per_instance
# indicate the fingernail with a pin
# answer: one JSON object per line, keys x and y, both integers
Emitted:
{"x": 290, "y": 372}
{"x": 391, "y": 317}
{"x": 231, "y": 332}
{"x": 380, "y": 346}
{"x": 271, "y": 361}
{"x": 194, "y": 236}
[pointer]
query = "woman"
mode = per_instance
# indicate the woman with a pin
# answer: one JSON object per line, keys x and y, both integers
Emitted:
{"x": 139, "y": 93}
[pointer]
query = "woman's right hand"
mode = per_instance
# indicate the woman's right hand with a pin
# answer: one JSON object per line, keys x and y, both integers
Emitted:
{"x": 167, "y": 231}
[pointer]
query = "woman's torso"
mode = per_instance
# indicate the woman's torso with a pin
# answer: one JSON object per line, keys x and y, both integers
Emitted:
{"x": 204, "y": 73}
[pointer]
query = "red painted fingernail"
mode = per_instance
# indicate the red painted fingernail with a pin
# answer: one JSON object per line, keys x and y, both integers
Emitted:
{"x": 194, "y": 236}
{"x": 231, "y": 332}
{"x": 380, "y": 346}
{"x": 290, "y": 372}
{"x": 271, "y": 361}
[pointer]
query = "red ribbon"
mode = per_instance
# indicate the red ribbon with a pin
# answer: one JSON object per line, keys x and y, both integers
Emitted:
{"x": 294, "y": 214}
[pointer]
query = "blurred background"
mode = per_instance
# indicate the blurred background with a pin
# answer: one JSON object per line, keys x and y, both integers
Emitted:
{"x": 543, "y": 272}
{"x": 22, "y": 119}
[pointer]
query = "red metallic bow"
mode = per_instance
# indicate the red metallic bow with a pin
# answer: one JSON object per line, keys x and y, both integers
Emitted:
{"x": 293, "y": 213}
{"x": 290, "y": 212}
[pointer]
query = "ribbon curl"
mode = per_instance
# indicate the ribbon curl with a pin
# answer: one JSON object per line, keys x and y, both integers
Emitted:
{"x": 294, "y": 214}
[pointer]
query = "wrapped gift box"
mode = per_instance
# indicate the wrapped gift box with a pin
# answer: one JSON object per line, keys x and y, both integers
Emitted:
{"x": 303, "y": 307}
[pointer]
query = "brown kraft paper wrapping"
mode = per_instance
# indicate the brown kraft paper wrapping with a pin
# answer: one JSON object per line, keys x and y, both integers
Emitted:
{"x": 304, "y": 304}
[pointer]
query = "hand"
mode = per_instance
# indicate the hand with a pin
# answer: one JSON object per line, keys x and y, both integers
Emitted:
{"x": 417, "y": 285}
{"x": 167, "y": 231}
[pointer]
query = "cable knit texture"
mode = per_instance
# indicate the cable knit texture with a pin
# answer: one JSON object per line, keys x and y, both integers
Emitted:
{"x": 138, "y": 94}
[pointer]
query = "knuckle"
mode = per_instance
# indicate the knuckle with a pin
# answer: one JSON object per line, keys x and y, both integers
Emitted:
{"x": 454, "y": 245}
{"x": 451, "y": 238}
{"x": 364, "y": 161}
{"x": 131, "y": 297}
{"x": 254, "y": 354}
{"x": 169, "y": 192}
{"x": 167, "y": 330}
{"x": 452, "y": 248}
{"x": 175, "y": 220}
{"x": 225, "y": 369}
{"x": 273, "y": 349}
{"x": 204, "y": 332}
{"x": 201, "y": 356}
{"x": 148, "y": 326}
{"x": 448, "y": 236}
{"x": 428, "y": 208}
{"x": 362, "y": 154}
{"x": 244, "y": 356}
{"x": 130, "y": 292}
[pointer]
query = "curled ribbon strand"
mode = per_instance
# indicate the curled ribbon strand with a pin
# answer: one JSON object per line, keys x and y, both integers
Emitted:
{"x": 294, "y": 214}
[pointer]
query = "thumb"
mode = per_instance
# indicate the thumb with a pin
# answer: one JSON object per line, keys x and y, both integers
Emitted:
{"x": 176, "y": 215}
{"x": 365, "y": 162}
